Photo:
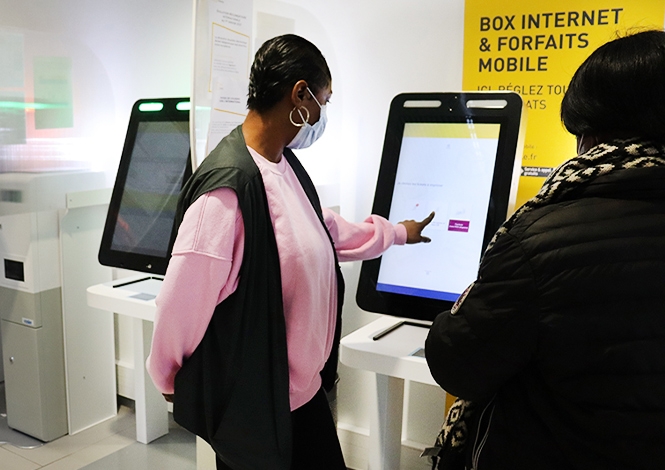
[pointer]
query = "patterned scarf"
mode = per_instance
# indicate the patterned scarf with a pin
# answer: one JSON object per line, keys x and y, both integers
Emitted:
{"x": 561, "y": 185}
{"x": 577, "y": 172}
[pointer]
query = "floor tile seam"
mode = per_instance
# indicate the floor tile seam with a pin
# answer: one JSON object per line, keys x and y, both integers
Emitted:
{"x": 79, "y": 454}
{"x": 63, "y": 452}
{"x": 83, "y": 448}
{"x": 38, "y": 465}
{"x": 12, "y": 448}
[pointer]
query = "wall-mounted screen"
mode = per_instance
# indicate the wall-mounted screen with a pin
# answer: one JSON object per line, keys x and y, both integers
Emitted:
{"x": 441, "y": 155}
{"x": 155, "y": 163}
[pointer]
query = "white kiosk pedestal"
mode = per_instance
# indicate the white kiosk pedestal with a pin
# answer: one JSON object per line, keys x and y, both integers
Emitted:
{"x": 392, "y": 359}
{"x": 135, "y": 298}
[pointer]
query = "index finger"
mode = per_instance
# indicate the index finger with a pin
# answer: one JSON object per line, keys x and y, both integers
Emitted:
{"x": 425, "y": 222}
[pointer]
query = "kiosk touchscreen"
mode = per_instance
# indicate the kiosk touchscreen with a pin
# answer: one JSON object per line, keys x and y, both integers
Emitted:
{"x": 455, "y": 154}
{"x": 155, "y": 163}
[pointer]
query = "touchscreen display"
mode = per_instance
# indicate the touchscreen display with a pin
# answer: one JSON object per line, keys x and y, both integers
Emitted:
{"x": 447, "y": 168}
{"x": 154, "y": 179}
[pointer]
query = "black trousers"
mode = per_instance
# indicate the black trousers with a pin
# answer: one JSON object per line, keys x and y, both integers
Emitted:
{"x": 315, "y": 442}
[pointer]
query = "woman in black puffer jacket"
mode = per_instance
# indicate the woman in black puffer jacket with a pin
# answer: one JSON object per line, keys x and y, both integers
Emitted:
{"x": 559, "y": 347}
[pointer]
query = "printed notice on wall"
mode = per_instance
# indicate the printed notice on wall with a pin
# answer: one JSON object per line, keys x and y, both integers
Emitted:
{"x": 230, "y": 41}
{"x": 533, "y": 48}
{"x": 230, "y": 34}
{"x": 229, "y": 107}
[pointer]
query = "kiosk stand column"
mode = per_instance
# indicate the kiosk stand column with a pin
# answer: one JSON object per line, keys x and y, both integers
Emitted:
{"x": 152, "y": 419}
{"x": 385, "y": 431}
{"x": 394, "y": 358}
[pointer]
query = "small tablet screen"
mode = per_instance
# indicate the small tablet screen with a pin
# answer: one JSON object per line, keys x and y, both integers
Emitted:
{"x": 447, "y": 168}
{"x": 454, "y": 154}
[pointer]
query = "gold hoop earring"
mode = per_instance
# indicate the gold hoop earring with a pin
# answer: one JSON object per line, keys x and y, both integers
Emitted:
{"x": 305, "y": 119}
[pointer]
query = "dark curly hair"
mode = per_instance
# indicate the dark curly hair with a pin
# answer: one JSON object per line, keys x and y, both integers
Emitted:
{"x": 619, "y": 90}
{"x": 278, "y": 64}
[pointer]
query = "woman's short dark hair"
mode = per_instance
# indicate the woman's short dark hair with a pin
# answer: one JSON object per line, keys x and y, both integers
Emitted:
{"x": 278, "y": 64}
{"x": 619, "y": 90}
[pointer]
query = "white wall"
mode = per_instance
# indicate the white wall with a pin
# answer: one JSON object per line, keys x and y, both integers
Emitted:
{"x": 139, "y": 49}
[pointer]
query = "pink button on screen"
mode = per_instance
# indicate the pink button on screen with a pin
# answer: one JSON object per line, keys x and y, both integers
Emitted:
{"x": 458, "y": 225}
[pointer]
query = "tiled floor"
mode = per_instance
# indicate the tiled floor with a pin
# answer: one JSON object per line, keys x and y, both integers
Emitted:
{"x": 110, "y": 445}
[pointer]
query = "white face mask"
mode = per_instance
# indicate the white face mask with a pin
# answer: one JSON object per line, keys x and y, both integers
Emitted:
{"x": 308, "y": 133}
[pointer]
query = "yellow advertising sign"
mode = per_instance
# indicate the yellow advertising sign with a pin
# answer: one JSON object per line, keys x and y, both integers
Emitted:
{"x": 533, "y": 48}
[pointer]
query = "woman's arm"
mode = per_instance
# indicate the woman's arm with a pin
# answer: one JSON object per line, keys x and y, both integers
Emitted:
{"x": 202, "y": 272}
{"x": 369, "y": 239}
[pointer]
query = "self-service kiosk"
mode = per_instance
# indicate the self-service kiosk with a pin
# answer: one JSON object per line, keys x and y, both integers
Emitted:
{"x": 30, "y": 298}
{"x": 457, "y": 154}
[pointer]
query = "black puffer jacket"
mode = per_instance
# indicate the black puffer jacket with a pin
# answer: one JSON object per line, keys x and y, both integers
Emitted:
{"x": 565, "y": 328}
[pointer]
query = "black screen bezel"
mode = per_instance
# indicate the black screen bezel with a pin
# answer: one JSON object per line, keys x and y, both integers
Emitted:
{"x": 126, "y": 259}
{"x": 453, "y": 109}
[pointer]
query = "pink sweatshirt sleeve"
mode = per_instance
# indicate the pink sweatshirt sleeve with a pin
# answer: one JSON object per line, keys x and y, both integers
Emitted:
{"x": 202, "y": 272}
{"x": 365, "y": 240}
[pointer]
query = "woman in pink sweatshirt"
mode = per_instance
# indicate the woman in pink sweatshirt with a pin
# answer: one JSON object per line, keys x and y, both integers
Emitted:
{"x": 248, "y": 318}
